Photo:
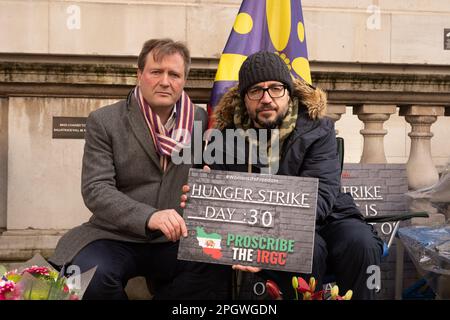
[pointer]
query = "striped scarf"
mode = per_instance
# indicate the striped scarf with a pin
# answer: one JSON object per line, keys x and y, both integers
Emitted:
{"x": 168, "y": 141}
{"x": 242, "y": 121}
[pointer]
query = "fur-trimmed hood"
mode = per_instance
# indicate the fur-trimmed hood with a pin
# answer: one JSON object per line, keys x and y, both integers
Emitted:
{"x": 314, "y": 99}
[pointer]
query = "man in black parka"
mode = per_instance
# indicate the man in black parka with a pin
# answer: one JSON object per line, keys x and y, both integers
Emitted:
{"x": 268, "y": 98}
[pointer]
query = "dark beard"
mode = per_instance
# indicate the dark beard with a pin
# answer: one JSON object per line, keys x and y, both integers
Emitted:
{"x": 272, "y": 124}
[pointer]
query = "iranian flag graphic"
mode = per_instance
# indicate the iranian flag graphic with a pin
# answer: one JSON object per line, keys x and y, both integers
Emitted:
{"x": 210, "y": 242}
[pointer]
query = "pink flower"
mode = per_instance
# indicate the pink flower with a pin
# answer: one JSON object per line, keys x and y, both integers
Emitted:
{"x": 273, "y": 290}
{"x": 35, "y": 270}
{"x": 74, "y": 297}
{"x": 7, "y": 290}
{"x": 11, "y": 273}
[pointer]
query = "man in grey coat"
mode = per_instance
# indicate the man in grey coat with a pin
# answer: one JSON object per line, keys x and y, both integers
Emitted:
{"x": 133, "y": 189}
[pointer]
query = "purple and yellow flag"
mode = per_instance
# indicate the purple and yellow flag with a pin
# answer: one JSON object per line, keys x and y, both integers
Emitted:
{"x": 270, "y": 25}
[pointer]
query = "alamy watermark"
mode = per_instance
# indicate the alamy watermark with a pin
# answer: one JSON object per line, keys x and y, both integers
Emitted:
{"x": 230, "y": 147}
{"x": 74, "y": 279}
{"x": 374, "y": 20}
{"x": 374, "y": 279}
{"x": 73, "y": 21}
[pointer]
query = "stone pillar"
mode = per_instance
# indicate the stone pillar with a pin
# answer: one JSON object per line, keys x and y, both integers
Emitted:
{"x": 3, "y": 160}
{"x": 373, "y": 117}
{"x": 420, "y": 168}
{"x": 334, "y": 112}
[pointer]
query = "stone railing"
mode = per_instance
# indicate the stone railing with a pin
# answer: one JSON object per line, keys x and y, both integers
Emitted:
{"x": 375, "y": 91}
{"x": 420, "y": 94}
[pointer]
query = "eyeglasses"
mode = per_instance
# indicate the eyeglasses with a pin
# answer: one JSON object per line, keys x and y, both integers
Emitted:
{"x": 276, "y": 91}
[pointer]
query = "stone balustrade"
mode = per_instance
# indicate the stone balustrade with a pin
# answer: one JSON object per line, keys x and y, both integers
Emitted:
{"x": 419, "y": 93}
{"x": 373, "y": 117}
{"x": 421, "y": 170}
{"x": 35, "y": 87}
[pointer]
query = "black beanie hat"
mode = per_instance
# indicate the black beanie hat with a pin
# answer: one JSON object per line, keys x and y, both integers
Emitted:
{"x": 263, "y": 66}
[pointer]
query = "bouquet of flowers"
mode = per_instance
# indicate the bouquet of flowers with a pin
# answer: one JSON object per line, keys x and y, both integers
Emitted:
{"x": 38, "y": 280}
{"x": 307, "y": 290}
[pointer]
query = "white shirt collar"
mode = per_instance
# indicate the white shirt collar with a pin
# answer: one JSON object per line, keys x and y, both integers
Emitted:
{"x": 170, "y": 124}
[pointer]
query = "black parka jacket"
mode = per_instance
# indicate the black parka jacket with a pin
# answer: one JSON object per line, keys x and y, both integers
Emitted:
{"x": 309, "y": 151}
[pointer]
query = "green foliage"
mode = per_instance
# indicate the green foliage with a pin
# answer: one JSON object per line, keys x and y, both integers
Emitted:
{"x": 3, "y": 270}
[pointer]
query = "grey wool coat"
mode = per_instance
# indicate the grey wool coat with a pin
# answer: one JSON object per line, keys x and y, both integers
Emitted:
{"x": 122, "y": 183}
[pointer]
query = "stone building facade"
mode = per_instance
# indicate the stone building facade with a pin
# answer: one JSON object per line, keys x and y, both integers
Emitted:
{"x": 384, "y": 65}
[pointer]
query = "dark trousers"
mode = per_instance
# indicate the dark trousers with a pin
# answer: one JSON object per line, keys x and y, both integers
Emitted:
{"x": 118, "y": 261}
{"x": 344, "y": 248}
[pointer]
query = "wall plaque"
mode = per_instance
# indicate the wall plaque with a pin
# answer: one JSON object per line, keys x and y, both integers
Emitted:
{"x": 69, "y": 127}
{"x": 250, "y": 219}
